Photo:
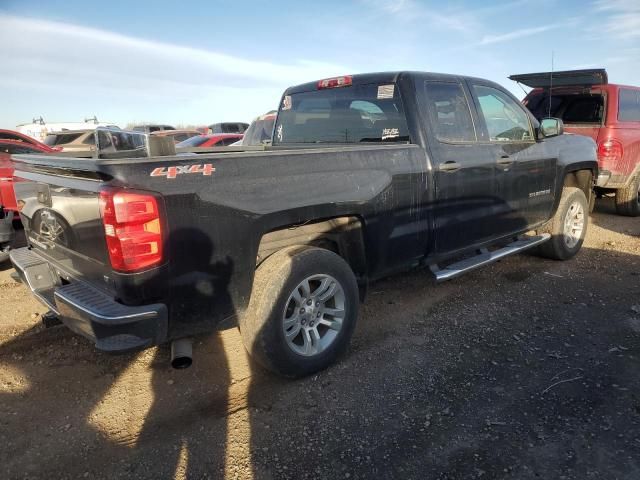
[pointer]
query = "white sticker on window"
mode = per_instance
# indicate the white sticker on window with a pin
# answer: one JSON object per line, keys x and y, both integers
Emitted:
{"x": 279, "y": 134}
{"x": 390, "y": 133}
{"x": 385, "y": 91}
{"x": 286, "y": 103}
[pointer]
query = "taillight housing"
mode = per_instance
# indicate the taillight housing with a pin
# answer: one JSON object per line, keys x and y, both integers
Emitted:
{"x": 335, "y": 82}
{"x": 610, "y": 151}
{"x": 132, "y": 228}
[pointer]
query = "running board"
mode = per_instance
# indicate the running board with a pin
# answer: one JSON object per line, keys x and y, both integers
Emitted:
{"x": 485, "y": 257}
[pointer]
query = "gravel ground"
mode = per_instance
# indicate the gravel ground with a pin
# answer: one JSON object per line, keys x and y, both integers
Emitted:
{"x": 526, "y": 369}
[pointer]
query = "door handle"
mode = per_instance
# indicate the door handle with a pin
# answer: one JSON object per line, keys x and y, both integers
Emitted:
{"x": 449, "y": 166}
{"x": 505, "y": 160}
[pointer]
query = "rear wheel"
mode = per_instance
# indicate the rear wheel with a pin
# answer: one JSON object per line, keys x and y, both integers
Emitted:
{"x": 302, "y": 311}
{"x": 628, "y": 198}
{"x": 568, "y": 227}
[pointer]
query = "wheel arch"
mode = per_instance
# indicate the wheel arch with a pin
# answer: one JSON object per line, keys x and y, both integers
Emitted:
{"x": 343, "y": 235}
{"x": 582, "y": 178}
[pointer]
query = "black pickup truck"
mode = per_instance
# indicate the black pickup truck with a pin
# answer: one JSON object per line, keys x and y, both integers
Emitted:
{"x": 367, "y": 175}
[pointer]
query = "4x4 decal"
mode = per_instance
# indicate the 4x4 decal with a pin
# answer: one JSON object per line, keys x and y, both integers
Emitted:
{"x": 173, "y": 172}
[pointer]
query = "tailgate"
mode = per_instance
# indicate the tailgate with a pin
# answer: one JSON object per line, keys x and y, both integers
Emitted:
{"x": 60, "y": 210}
{"x": 562, "y": 79}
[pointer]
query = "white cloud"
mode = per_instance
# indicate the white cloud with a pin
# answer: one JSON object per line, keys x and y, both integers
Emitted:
{"x": 73, "y": 62}
{"x": 523, "y": 32}
{"x": 440, "y": 17}
{"x": 622, "y": 18}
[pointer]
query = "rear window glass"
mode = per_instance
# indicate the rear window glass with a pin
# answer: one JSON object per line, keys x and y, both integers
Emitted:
{"x": 18, "y": 149}
{"x": 571, "y": 108}
{"x": 629, "y": 105}
{"x": 61, "y": 138}
{"x": 10, "y": 136}
{"x": 354, "y": 114}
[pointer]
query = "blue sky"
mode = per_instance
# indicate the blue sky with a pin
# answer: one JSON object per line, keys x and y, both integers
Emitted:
{"x": 200, "y": 62}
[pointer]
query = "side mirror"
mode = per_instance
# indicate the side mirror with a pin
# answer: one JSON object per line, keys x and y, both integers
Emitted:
{"x": 551, "y": 127}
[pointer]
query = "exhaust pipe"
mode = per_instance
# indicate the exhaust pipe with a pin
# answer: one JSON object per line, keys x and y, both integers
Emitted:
{"x": 181, "y": 352}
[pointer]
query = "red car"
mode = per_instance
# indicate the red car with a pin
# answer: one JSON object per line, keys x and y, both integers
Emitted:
{"x": 10, "y": 143}
{"x": 14, "y": 143}
{"x": 610, "y": 114}
{"x": 210, "y": 140}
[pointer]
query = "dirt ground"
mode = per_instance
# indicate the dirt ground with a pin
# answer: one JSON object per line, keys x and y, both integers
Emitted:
{"x": 527, "y": 369}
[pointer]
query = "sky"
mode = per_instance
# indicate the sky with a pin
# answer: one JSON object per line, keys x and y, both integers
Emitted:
{"x": 201, "y": 62}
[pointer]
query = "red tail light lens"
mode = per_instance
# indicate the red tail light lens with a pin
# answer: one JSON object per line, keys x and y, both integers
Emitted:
{"x": 610, "y": 151}
{"x": 132, "y": 229}
{"x": 335, "y": 82}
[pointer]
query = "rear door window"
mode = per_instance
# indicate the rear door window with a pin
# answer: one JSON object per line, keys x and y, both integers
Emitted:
{"x": 448, "y": 112}
{"x": 504, "y": 118}
{"x": 629, "y": 105}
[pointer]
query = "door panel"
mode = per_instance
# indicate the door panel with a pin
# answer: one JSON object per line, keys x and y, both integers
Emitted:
{"x": 525, "y": 168}
{"x": 467, "y": 203}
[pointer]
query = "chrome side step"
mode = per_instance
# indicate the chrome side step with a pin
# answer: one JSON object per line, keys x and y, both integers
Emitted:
{"x": 485, "y": 257}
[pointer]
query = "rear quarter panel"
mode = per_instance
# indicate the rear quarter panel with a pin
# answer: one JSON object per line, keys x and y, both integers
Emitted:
{"x": 215, "y": 222}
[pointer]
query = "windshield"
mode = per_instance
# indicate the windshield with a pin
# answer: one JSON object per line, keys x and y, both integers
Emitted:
{"x": 354, "y": 114}
{"x": 259, "y": 132}
{"x": 193, "y": 141}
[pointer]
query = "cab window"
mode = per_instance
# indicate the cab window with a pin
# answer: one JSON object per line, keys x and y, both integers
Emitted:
{"x": 449, "y": 112}
{"x": 506, "y": 121}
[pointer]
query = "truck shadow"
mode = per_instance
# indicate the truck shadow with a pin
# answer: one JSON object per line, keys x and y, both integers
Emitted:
{"x": 74, "y": 412}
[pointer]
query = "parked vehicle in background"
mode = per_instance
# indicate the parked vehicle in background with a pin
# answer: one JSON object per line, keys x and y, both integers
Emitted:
{"x": 228, "y": 127}
{"x": 12, "y": 143}
{"x": 368, "y": 175}
{"x": 39, "y": 129}
{"x": 177, "y": 135}
{"x": 73, "y": 141}
{"x": 260, "y": 131}
{"x": 211, "y": 140}
{"x": 606, "y": 112}
{"x": 11, "y": 137}
{"x": 150, "y": 128}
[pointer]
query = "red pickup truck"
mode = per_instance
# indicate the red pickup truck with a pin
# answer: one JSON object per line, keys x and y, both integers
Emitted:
{"x": 610, "y": 114}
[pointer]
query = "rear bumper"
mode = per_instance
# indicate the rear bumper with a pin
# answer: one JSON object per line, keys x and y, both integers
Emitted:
{"x": 113, "y": 327}
{"x": 603, "y": 178}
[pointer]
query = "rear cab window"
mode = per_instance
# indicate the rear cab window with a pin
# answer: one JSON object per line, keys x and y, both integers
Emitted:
{"x": 359, "y": 113}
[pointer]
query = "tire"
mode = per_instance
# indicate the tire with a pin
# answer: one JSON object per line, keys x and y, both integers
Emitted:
{"x": 628, "y": 198}
{"x": 276, "y": 307}
{"x": 566, "y": 239}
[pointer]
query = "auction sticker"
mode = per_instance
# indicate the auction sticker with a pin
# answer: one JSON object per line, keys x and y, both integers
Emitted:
{"x": 385, "y": 91}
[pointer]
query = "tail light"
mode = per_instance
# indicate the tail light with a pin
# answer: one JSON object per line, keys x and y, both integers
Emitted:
{"x": 335, "y": 82}
{"x": 610, "y": 151}
{"x": 132, "y": 228}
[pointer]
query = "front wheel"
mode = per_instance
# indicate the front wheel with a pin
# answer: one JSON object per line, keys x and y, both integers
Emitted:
{"x": 302, "y": 311}
{"x": 568, "y": 227}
